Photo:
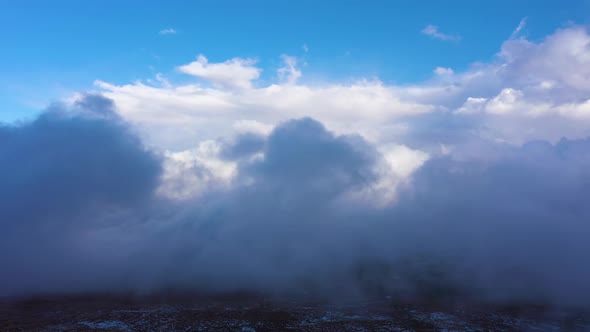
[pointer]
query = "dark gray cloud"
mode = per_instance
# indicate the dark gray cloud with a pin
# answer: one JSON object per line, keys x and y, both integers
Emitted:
{"x": 60, "y": 174}
{"x": 507, "y": 227}
{"x": 283, "y": 227}
{"x": 514, "y": 226}
{"x": 302, "y": 154}
{"x": 67, "y": 160}
{"x": 244, "y": 145}
{"x": 78, "y": 213}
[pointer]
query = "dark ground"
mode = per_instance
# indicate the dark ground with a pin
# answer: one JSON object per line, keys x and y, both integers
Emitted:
{"x": 250, "y": 313}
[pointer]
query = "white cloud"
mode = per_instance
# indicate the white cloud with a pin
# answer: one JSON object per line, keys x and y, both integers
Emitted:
{"x": 507, "y": 101}
{"x": 289, "y": 73}
{"x": 472, "y": 105}
{"x": 234, "y": 73}
{"x": 432, "y": 31}
{"x": 399, "y": 163}
{"x": 561, "y": 63}
{"x": 531, "y": 90}
{"x": 168, "y": 31}
{"x": 252, "y": 126}
{"x": 161, "y": 80}
{"x": 542, "y": 87}
{"x": 175, "y": 117}
{"x": 191, "y": 173}
{"x": 521, "y": 25}
{"x": 443, "y": 71}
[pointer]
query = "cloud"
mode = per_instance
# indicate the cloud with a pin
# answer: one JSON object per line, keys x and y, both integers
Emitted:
{"x": 234, "y": 73}
{"x": 246, "y": 144}
{"x": 169, "y": 114}
{"x": 192, "y": 173}
{"x": 293, "y": 213}
{"x": 332, "y": 163}
{"x": 530, "y": 91}
{"x": 168, "y": 31}
{"x": 432, "y": 31}
{"x": 61, "y": 174}
{"x": 514, "y": 221}
{"x": 460, "y": 186}
{"x": 517, "y": 31}
{"x": 472, "y": 217}
{"x": 289, "y": 73}
{"x": 443, "y": 71}
{"x": 73, "y": 157}
{"x": 546, "y": 79}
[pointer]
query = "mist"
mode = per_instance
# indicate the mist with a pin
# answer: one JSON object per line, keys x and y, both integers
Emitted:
{"x": 80, "y": 212}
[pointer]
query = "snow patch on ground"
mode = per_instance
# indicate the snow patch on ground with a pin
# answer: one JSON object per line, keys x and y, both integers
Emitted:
{"x": 106, "y": 325}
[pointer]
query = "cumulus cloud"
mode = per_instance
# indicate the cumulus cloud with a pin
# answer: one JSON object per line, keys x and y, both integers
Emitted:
{"x": 541, "y": 86}
{"x": 432, "y": 31}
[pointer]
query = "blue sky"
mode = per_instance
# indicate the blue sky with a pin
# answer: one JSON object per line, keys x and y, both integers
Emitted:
{"x": 54, "y": 48}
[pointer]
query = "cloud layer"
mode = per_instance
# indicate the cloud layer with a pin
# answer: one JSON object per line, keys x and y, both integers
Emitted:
{"x": 82, "y": 211}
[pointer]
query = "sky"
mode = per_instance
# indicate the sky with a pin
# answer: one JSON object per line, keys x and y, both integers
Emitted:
{"x": 52, "y": 49}
{"x": 339, "y": 149}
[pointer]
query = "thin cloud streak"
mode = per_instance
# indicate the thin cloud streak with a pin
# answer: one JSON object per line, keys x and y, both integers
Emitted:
{"x": 167, "y": 31}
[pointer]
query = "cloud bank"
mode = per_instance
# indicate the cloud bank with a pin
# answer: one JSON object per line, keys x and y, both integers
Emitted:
{"x": 81, "y": 211}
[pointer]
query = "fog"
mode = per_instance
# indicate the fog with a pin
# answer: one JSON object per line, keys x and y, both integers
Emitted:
{"x": 79, "y": 212}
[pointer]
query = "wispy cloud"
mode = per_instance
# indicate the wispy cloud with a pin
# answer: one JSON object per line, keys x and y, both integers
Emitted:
{"x": 168, "y": 31}
{"x": 432, "y": 31}
{"x": 289, "y": 73}
{"x": 519, "y": 28}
